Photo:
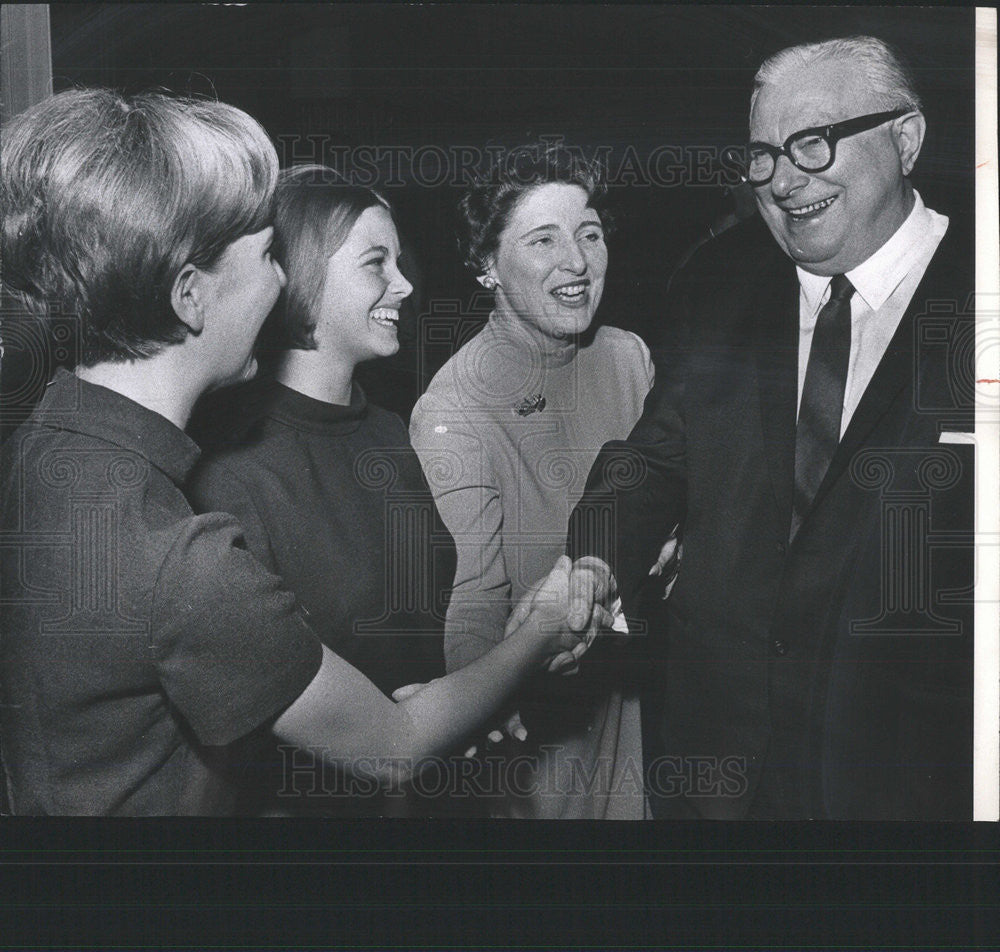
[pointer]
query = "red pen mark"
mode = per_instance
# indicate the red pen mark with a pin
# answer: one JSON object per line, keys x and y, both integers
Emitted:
{"x": 982, "y": 164}
{"x": 988, "y": 380}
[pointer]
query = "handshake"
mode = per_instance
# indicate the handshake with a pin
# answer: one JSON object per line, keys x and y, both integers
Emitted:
{"x": 578, "y": 600}
{"x": 561, "y": 616}
{"x": 567, "y": 609}
{"x": 573, "y": 604}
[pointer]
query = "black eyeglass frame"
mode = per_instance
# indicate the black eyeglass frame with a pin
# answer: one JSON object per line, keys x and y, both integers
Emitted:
{"x": 831, "y": 134}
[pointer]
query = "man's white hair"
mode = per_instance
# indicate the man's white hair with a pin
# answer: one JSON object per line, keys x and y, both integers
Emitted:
{"x": 887, "y": 78}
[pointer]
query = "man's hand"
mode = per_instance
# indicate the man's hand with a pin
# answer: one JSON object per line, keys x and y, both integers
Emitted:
{"x": 668, "y": 558}
{"x": 668, "y": 562}
{"x": 592, "y": 589}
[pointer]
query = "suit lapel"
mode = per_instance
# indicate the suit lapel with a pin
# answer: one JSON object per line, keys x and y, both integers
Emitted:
{"x": 897, "y": 368}
{"x": 776, "y": 344}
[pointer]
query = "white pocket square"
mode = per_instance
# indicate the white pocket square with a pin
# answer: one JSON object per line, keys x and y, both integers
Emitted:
{"x": 957, "y": 436}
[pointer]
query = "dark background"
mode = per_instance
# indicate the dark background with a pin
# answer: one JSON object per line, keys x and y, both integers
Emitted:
{"x": 632, "y": 78}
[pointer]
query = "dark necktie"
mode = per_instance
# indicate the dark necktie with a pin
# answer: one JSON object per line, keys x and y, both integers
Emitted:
{"x": 818, "y": 431}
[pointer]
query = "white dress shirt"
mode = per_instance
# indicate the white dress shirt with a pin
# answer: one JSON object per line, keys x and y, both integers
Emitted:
{"x": 884, "y": 285}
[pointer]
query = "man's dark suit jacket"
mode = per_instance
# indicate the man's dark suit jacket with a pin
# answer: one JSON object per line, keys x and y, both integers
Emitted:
{"x": 837, "y": 666}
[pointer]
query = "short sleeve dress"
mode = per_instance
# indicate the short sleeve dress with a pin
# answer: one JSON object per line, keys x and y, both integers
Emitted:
{"x": 144, "y": 651}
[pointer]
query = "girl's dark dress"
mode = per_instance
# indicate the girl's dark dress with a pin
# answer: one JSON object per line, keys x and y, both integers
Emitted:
{"x": 333, "y": 499}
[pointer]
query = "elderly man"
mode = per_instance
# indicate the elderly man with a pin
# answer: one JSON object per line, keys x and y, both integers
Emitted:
{"x": 810, "y": 430}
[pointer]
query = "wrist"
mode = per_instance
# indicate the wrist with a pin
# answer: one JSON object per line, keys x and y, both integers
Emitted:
{"x": 532, "y": 643}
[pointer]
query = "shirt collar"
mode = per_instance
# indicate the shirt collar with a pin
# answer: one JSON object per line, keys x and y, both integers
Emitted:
{"x": 72, "y": 404}
{"x": 877, "y": 277}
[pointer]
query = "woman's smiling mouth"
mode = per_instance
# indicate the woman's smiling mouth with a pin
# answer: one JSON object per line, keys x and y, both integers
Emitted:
{"x": 385, "y": 316}
{"x": 571, "y": 294}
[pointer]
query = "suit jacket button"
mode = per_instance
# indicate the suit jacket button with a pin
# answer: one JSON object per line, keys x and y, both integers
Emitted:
{"x": 779, "y": 647}
{"x": 779, "y": 547}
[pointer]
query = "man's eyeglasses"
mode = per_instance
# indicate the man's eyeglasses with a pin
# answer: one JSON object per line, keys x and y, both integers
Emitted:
{"x": 812, "y": 150}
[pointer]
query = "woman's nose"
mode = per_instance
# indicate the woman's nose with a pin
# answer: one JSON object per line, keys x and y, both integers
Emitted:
{"x": 573, "y": 258}
{"x": 400, "y": 286}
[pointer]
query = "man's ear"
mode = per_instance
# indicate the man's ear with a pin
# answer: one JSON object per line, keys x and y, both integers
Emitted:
{"x": 187, "y": 297}
{"x": 909, "y": 136}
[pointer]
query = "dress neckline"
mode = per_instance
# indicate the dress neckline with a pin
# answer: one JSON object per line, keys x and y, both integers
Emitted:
{"x": 304, "y": 412}
{"x": 550, "y": 355}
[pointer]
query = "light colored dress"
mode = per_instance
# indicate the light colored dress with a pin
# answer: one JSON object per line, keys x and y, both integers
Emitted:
{"x": 506, "y": 471}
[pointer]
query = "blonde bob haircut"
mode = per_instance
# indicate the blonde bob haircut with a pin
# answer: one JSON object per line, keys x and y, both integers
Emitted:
{"x": 105, "y": 197}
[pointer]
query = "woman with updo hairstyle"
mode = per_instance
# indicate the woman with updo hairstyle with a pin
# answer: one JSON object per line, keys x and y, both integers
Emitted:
{"x": 326, "y": 484}
{"x": 145, "y": 651}
{"x": 507, "y": 432}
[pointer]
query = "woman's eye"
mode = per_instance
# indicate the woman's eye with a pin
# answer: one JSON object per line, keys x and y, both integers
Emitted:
{"x": 378, "y": 262}
{"x": 593, "y": 236}
{"x": 543, "y": 240}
